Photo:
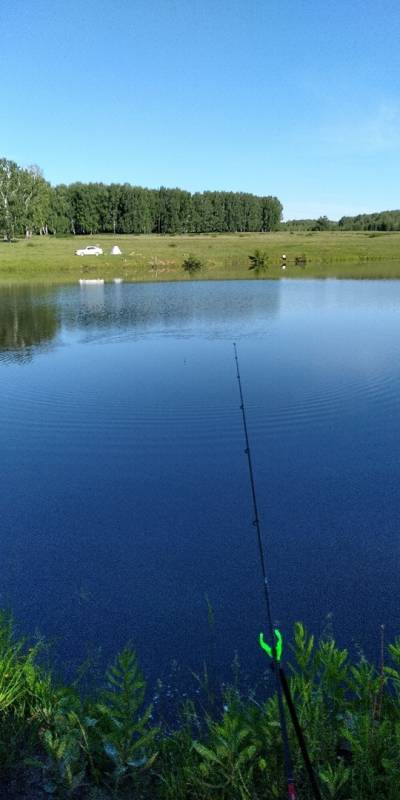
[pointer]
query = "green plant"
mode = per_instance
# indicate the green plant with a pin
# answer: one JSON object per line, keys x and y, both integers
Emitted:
{"x": 177, "y": 760}
{"x": 232, "y": 756}
{"x": 16, "y": 666}
{"x": 336, "y": 780}
{"x": 258, "y": 261}
{"x": 124, "y": 731}
{"x": 192, "y": 264}
{"x": 58, "y": 712}
{"x": 64, "y": 768}
{"x": 18, "y": 671}
{"x": 109, "y": 746}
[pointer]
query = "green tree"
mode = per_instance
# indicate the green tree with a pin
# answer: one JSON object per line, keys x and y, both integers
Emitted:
{"x": 60, "y": 213}
{"x": 28, "y": 205}
{"x": 271, "y": 213}
{"x": 24, "y": 200}
{"x": 36, "y": 197}
{"x": 85, "y": 209}
{"x": 322, "y": 224}
{"x": 11, "y": 198}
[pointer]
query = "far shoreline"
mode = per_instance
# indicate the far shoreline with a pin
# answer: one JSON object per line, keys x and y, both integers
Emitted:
{"x": 155, "y": 259}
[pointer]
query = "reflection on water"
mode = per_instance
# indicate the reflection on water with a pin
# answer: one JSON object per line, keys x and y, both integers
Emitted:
{"x": 32, "y": 316}
{"x": 92, "y": 299}
{"x": 125, "y": 310}
{"x": 28, "y": 321}
{"x": 125, "y": 497}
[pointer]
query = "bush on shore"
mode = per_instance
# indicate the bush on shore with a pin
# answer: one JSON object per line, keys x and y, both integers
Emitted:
{"x": 54, "y": 742}
{"x": 192, "y": 264}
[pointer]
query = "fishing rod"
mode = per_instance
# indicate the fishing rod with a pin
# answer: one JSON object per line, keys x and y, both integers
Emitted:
{"x": 275, "y": 650}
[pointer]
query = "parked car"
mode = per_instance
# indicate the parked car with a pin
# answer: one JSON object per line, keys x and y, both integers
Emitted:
{"x": 90, "y": 250}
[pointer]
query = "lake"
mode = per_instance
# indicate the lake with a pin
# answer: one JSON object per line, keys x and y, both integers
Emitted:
{"x": 125, "y": 506}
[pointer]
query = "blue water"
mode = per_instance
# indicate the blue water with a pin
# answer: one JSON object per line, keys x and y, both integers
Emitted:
{"x": 125, "y": 498}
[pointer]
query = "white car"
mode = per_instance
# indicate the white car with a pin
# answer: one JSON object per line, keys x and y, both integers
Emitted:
{"x": 90, "y": 250}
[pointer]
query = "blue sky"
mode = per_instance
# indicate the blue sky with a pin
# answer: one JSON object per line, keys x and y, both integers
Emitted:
{"x": 296, "y": 98}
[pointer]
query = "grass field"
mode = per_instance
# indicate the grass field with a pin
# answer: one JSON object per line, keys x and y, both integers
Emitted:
{"x": 225, "y": 256}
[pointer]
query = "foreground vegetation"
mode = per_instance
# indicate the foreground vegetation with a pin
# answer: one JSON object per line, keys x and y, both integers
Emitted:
{"x": 227, "y": 745}
{"x": 220, "y": 256}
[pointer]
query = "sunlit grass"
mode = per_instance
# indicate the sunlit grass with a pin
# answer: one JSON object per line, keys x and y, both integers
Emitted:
{"x": 224, "y": 256}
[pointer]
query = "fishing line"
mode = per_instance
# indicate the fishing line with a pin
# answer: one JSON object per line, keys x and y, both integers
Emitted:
{"x": 275, "y": 650}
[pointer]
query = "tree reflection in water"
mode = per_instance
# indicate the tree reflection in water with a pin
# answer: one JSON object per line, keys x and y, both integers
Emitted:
{"x": 28, "y": 320}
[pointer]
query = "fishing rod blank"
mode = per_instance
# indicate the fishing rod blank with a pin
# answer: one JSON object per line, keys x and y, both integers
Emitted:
{"x": 275, "y": 650}
{"x": 299, "y": 733}
{"x": 291, "y": 788}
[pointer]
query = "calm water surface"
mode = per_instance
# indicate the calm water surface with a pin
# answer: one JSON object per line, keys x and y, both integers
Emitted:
{"x": 125, "y": 498}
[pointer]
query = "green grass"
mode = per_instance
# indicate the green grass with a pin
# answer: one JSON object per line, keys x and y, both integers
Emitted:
{"x": 225, "y": 745}
{"x": 224, "y": 256}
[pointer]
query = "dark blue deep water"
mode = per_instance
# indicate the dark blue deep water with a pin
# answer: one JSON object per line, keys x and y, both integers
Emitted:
{"x": 124, "y": 488}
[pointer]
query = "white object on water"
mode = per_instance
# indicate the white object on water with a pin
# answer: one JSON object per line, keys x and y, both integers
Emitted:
{"x": 283, "y": 266}
{"x": 115, "y": 251}
{"x": 117, "y": 280}
{"x": 85, "y": 281}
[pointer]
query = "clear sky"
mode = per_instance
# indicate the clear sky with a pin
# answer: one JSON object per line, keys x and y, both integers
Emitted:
{"x": 298, "y": 98}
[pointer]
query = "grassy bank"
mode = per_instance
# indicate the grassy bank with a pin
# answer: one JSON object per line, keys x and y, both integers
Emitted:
{"x": 224, "y": 256}
{"x": 226, "y": 745}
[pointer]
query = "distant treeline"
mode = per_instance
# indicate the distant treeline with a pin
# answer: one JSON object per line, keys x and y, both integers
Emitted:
{"x": 122, "y": 208}
{"x": 29, "y": 204}
{"x": 377, "y": 221}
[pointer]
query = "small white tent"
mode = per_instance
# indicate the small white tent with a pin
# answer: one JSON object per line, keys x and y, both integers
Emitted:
{"x": 115, "y": 251}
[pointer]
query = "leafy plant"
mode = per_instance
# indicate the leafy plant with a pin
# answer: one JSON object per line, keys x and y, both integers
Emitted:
{"x": 232, "y": 755}
{"x": 192, "y": 264}
{"x": 16, "y": 666}
{"x": 65, "y": 767}
{"x": 335, "y": 780}
{"x": 110, "y": 746}
{"x": 127, "y": 739}
{"x": 177, "y": 760}
{"x": 66, "y": 753}
{"x": 258, "y": 261}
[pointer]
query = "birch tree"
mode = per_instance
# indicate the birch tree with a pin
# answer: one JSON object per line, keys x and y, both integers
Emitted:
{"x": 10, "y": 198}
{"x": 24, "y": 200}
